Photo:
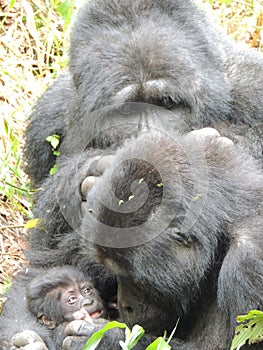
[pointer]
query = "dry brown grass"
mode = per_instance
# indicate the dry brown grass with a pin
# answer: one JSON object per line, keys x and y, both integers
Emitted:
{"x": 32, "y": 35}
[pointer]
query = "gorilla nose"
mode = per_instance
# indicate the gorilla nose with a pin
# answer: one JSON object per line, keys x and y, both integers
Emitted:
{"x": 87, "y": 302}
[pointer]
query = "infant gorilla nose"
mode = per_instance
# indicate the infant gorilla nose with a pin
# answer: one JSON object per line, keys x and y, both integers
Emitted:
{"x": 82, "y": 314}
{"x": 85, "y": 315}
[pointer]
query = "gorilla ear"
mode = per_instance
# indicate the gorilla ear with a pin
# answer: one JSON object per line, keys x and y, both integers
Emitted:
{"x": 44, "y": 320}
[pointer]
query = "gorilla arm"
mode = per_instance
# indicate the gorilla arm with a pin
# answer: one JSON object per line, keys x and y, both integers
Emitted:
{"x": 48, "y": 117}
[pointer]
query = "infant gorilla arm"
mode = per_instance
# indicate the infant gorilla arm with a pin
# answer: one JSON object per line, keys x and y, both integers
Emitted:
{"x": 183, "y": 237}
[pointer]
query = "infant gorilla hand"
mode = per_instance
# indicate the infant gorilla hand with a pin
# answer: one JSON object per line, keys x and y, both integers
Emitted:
{"x": 27, "y": 340}
{"x": 78, "y": 332}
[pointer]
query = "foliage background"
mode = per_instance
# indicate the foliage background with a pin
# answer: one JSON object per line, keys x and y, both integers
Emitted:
{"x": 34, "y": 36}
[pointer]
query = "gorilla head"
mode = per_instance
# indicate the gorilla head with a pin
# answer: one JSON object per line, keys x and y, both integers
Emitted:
{"x": 148, "y": 51}
{"x": 168, "y": 230}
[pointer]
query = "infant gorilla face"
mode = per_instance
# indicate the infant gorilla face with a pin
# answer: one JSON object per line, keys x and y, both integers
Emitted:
{"x": 63, "y": 294}
{"x": 80, "y": 301}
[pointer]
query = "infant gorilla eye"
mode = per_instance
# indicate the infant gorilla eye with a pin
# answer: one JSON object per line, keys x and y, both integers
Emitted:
{"x": 87, "y": 290}
{"x": 72, "y": 299}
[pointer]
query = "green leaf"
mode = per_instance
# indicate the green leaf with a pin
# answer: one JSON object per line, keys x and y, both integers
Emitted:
{"x": 250, "y": 330}
{"x": 95, "y": 339}
{"x": 53, "y": 170}
{"x": 159, "y": 344}
{"x": 133, "y": 336}
{"x": 53, "y": 140}
{"x": 32, "y": 223}
{"x": 65, "y": 9}
{"x": 56, "y": 153}
{"x": 12, "y": 3}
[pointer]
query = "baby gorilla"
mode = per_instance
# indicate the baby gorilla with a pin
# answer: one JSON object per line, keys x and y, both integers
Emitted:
{"x": 63, "y": 294}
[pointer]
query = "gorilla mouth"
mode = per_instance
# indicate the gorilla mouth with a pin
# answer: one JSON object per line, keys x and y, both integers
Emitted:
{"x": 96, "y": 314}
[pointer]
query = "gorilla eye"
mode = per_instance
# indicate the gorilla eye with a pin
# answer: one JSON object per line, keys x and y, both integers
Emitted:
{"x": 87, "y": 290}
{"x": 72, "y": 299}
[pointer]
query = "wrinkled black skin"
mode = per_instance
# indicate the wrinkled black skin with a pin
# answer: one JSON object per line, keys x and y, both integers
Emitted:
{"x": 117, "y": 49}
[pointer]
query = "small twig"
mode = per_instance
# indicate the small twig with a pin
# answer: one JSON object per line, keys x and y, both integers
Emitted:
{"x": 11, "y": 226}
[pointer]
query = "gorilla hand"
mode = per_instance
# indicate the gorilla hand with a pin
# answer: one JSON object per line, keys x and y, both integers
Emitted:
{"x": 78, "y": 332}
{"x": 96, "y": 167}
{"x": 27, "y": 340}
{"x": 207, "y": 134}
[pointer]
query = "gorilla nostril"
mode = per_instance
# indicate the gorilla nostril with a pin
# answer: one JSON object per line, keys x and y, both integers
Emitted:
{"x": 129, "y": 309}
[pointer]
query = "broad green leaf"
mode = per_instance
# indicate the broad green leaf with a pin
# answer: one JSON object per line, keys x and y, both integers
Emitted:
{"x": 95, "y": 339}
{"x": 249, "y": 331}
{"x": 159, "y": 344}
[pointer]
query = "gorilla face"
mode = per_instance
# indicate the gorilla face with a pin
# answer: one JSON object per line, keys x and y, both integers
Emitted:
{"x": 110, "y": 126}
{"x": 155, "y": 61}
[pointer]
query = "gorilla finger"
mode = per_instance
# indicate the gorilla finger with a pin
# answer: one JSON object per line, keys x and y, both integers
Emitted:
{"x": 87, "y": 184}
{"x": 80, "y": 328}
{"x": 224, "y": 141}
{"x": 35, "y": 346}
{"x": 25, "y": 338}
{"x": 203, "y": 134}
{"x": 70, "y": 343}
{"x": 90, "y": 164}
{"x": 104, "y": 163}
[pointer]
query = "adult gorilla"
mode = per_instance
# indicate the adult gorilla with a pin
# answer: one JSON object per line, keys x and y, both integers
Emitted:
{"x": 163, "y": 53}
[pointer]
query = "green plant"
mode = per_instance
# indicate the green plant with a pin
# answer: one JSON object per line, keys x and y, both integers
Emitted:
{"x": 249, "y": 331}
{"x": 54, "y": 141}
{"x": 132, "y": 337}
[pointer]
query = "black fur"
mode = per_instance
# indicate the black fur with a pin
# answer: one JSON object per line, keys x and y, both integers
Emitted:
{"x": 165, "y": 53}
{"x": 160, "y": 52}
{"x": 205, "y": 266}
